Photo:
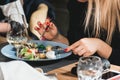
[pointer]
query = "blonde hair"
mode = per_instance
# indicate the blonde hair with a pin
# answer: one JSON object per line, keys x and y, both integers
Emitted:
{"x": 106, "y": 15}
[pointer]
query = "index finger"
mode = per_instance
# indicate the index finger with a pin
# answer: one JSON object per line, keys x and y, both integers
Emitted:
{"x": 73, "y": 46}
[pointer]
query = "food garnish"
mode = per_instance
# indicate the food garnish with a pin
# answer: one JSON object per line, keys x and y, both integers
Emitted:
{"x": 34, "y": 51}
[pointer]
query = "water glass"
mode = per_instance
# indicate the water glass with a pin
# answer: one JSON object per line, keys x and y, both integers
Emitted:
{"x": 89, "y": 68}
{"x": 17, "y": 36}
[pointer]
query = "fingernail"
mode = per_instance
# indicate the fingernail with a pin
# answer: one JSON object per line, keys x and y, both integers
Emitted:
{"x": 39, "y": 24}
{"x": 48, "y": 23}
{"x": 36, "y": 28}
{"x": 65, "y": 50}
{"x": 47, "y": 29}
{"x": 43, "y": 38}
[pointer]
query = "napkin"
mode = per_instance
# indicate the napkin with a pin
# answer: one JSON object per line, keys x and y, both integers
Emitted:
{"x": 20, "y": 70}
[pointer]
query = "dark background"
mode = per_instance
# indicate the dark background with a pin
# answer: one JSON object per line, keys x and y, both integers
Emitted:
{"x": 62, "y": 15}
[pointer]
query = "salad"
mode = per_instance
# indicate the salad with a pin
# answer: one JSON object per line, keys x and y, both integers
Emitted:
{"x": 33, "y": 51}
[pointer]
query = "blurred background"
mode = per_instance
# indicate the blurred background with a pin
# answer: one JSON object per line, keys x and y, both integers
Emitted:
{"x": 62, "y": 15}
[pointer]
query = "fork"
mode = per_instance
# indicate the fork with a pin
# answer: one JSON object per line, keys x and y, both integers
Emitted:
{"x": 43, "y": 32}
{"x": 46, "y": 28}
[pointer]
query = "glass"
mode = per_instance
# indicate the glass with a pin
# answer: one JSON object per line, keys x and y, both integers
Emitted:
{"x": 89, "y": 68}
{"x": 17, "y": 36}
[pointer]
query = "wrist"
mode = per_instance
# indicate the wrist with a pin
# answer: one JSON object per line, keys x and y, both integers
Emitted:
{"x": 103, "y": 49}
{"x": 61, "y": 39}
{"x": 57, "y": 37}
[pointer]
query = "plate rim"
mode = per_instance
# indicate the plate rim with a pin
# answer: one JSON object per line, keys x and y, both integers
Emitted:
{"x": 16, "y": 58}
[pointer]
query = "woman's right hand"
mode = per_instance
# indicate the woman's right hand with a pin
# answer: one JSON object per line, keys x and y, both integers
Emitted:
{"x": 50, "y": 33}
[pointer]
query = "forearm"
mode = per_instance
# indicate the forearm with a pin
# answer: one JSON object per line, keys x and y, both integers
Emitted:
{"x": 39, "y": 15}
{"x": 104, "y": 50}
{"x": 61, "y": 38}
{"x": 4, "y": 27}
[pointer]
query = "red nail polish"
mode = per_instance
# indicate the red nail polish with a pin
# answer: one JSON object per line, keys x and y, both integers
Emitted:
{"x": 65, "y": 50}
{"x": 36, "y": 28}
{"x": 39, "y": 24}
{"x": 46, "y": 28}
{"x": 48, "y": 23}
{"x": 43, "y": 38}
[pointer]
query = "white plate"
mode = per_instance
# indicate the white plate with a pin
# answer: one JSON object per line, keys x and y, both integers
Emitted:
{"x": 8, "y": 51}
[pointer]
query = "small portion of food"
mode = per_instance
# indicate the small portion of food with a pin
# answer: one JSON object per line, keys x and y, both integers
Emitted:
{"x": 40, "y": 70}
{"x": 32, "y": 51}
{"x": 48, "y": 48}
{"x": 42, "y": 56}
{"x": 51, "y": 54}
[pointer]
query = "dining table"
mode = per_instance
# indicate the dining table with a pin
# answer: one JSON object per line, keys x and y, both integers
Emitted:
{"x": 45, "y": 65}
{"x": 62, "y": 67}
{"x": 64, "y": 73}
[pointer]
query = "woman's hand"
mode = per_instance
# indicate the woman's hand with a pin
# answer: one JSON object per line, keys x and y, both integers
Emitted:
{"x": 84, "y": 47}
{"x": 88, "y": 46}
{"x": 48, "y": 29}
{"x": 39, "y": 15}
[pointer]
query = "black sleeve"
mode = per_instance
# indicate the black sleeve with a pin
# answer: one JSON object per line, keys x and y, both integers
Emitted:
{"x": 77, "y": 14}
{"x": 115, "y": 55}
{"x": 1, "y": 15}
{"x": 3, "y": 2}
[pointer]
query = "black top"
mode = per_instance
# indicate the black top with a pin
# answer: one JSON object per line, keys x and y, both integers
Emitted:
{"x": 77, "y": 13}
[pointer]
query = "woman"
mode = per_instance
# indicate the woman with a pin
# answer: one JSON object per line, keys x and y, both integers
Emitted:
{"x": 94, "y": 28}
